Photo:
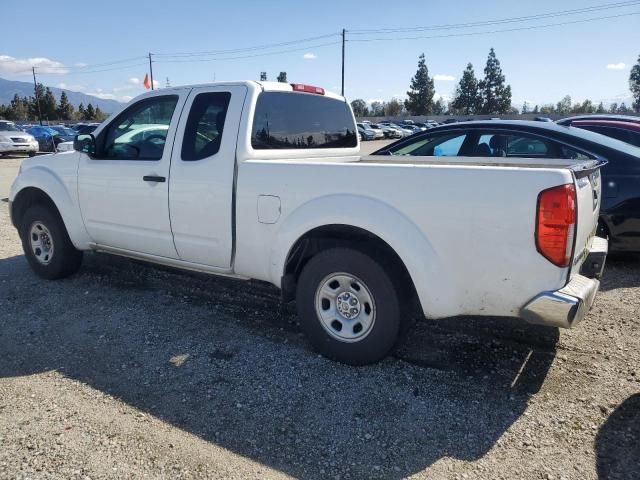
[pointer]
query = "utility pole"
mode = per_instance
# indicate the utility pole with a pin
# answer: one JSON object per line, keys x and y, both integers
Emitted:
{"x": 344, "y": 34}
{"x": 151, "y": 70}
{"x": 35, "y": 89}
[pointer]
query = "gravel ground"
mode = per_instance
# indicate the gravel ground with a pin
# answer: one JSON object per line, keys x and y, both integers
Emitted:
{"x": 126, "y": 370}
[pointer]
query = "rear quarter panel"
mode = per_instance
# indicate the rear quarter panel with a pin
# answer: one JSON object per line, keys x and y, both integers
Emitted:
{"x": 465, "y": 233}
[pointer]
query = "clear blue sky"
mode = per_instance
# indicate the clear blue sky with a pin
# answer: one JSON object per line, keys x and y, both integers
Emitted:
{"x": 584, "y": 60}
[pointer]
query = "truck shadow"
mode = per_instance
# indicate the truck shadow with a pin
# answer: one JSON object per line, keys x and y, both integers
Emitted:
{"x": 222, "y": 360}
{"x": 620, "y": 271}
{"x": 618, "y": 442}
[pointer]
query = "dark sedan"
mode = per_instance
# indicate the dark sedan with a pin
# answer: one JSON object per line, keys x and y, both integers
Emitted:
{"x": 620, "y": 209}
{"x": 49, "y": 137}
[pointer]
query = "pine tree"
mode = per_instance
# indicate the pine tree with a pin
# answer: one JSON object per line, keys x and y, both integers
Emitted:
{"x": 49, "y": 105}
{"x": 496, "y": 97}
{"x": 282, "y": 77}
{"x": 634, "y": 85}
{"x": 467, "y": 99}
{"x": 525, "y": 108}
{"x": 35, "y": 102}
{"x": 65, "y": 109}
{"x": 601, "y": 108}
{"x": 420, "y": 101}
{"x": 536, "y": 109}
{"x": 622, "y": 109}
{"x": 99, "y": 115}
{"x": 90, "y": 113}
{"x": 613, "y": 108}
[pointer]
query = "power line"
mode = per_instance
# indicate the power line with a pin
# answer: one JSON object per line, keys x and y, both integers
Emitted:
{"x": 560, "y": 13}
{"x": 246, "y": 49}
{"x": 247, "y": 56}
{"x": 516, "y": 29}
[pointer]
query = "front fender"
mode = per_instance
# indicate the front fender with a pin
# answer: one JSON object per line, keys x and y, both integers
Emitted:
{"x": 435, "y": 287}
{"x": 62, "y": 189}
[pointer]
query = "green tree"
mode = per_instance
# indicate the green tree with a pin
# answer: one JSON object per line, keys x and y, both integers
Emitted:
{"x": 601, "y": 108}
{"x": 634, "y": 85}
{"x": 613, "y": 108}
{"x": 393, "y": 108}
{"x": 90, "y": 113}
{"x": 360, "y": 108}
{"x": 422, "y": 90}
{"x": 38, "y": 98}
{"x": 65, "y": 109}
{"x": 377, "y": 109}
{"x": 81, "y": 112}
{"x": 564, "y": 106}
{"x": 525, "y": 108}
{"x": 547, "y": 109}
{"x": 496, "y": 96}
{"x": 536, "y": 109}
{"x": 622, "y": 109}
{"x": 440, "y": 107}
{"x": 282, "y": 77}
{"x": 49, "y": 105}
{"x": 467, "y": 100}
{"x": 18, "y": 108}
{"x": 99, "y": 115}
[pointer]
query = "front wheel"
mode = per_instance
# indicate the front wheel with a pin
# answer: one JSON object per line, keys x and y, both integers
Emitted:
{"x": 46, "y": 244}
{"x": 348, "y": 306}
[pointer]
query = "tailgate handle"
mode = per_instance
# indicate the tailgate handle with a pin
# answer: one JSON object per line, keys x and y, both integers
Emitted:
{"x": 154, "y": 178}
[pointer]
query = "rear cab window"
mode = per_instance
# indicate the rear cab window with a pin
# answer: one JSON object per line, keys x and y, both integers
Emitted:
{"x": 292, "y": 120}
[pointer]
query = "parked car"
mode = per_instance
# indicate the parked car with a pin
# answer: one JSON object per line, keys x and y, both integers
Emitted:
{"x": 48, "y": 138}
{"x": 389, "y": 132}
{"x": 411, "y": 127}
{"x": 356, "y": 240}
{"x": 365, "y": 132}
{"x": 620, "y": 212}
{"x": 597, "y": 116}
{"x": 378, "y": 131}
{"x": 404, "y": 132}
{"x": 14, "y": 140}
{"x": 623, "y": 130}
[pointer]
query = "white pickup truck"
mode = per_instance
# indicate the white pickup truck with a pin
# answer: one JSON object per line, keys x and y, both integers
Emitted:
{"x": 265, "y": 181}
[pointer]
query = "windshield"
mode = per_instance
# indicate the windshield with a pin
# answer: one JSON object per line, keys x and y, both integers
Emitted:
{"x": 9, "y": 127}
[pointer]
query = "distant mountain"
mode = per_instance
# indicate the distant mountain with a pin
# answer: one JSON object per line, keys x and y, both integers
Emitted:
{"x": 8, "y": 88}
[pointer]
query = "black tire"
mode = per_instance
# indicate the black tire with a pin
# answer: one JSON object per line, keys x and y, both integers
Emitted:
{"x": 32, "y": 154}
{"x": 65, "y": 259}
{"x": 384, "y": 332}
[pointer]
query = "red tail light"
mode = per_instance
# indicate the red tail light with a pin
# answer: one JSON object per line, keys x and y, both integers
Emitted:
{"x": 556, "y": 224}
{"x": 299, "y": 87}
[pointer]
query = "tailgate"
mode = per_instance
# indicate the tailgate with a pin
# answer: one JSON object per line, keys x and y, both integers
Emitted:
{"x": 588, "y": 189}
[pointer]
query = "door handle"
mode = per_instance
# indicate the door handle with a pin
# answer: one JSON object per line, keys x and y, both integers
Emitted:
{"x": 154, "y": 178}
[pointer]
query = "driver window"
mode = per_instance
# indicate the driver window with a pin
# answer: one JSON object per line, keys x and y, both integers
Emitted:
{"x": 140, "y": 132}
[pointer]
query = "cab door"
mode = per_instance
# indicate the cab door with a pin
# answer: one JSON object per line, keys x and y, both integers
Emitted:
{"x": 123, "y": 187}
{"x": 202, "y": 177}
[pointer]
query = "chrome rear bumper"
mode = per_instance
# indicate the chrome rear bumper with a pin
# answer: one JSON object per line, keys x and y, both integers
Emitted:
{"x": 566, "y": 307}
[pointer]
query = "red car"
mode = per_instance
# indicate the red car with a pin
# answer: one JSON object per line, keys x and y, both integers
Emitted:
{"x": 620, "y": 127}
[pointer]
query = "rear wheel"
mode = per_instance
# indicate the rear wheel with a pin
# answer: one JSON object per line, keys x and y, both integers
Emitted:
{"x": 46, "y": 244}
{"x": 348, "y": 306}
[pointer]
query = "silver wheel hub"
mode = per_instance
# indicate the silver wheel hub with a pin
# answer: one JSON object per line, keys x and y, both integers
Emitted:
{"x": 41, "y": 243}
{"x": 345, "y": 307}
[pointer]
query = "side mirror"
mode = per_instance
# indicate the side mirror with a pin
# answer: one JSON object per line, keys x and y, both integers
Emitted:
{"x": 85, "y": 144}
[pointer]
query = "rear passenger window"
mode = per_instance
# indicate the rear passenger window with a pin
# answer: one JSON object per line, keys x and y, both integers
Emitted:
{"x": 286, "y": 120}
{"x": 522, "y": 146}
{"x": 445, "y": 145}
{"x": 203, "y": 132}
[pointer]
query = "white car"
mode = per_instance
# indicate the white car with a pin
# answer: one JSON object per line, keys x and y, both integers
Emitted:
{"x": 14, "y": 140}
{"x": 240, "y": 184}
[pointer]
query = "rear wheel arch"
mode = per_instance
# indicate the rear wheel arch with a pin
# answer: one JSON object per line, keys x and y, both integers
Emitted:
{"x": 341, "y": 235}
